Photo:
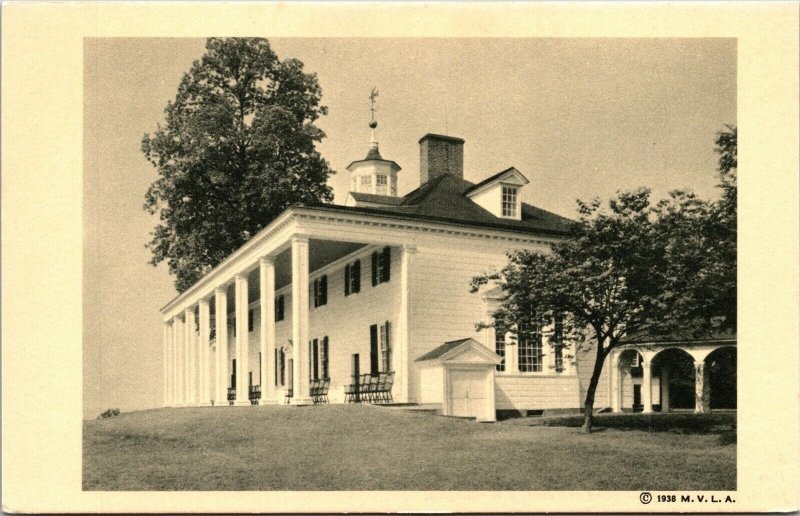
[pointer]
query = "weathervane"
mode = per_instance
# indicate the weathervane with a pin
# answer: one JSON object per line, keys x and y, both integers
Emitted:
{"x": 372, "y": 96}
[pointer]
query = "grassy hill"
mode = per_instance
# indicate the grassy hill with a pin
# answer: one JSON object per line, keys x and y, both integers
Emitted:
{"x": 373, "y": 448}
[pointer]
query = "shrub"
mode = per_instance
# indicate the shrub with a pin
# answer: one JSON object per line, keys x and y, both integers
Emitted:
{"x": 109, "y": 413}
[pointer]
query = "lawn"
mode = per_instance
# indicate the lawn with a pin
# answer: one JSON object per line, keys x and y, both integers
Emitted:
{"x": 346, "y": 447}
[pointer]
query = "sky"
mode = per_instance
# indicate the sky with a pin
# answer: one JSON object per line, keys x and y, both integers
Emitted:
{"x": 578, "y": 117}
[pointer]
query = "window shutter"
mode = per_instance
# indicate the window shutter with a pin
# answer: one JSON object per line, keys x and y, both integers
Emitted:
{"x": 356, "y": 272}
{"x": 323, "y": 290}
{"x": 316, "y": 292}
{"x": 250, "y": 323}
{"x": 315, "y": 356}
{"x": 310, "y": 365}
{"x": 388, "y": 348}
{"x": 347, "y": 280}
{"x": 386, "y": 258}
{"x": 373, "y": 349}
{"x": 325, "y": 357}
{"x": 276, "y": 366}
{"x": 374, "y": 268}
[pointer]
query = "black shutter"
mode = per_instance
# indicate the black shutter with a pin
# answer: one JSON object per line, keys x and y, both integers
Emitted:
{"x": 386, "y": 259}
{"x": 374, "y": 268}
{"x": 310, "y": 365}
{"x": 347, "y": 280}
{"x": 323, "y": 290}
{"x": 388, "y": 348}
{"x": 315, "y": 354}
{"x": 316, "y": 292}
{"x": 356, "y": 272}
{"x": 325, "y": 358}
{"x": 250, "y": 317}
{"x": 373, "y": 349}
{"x": 233, "y": 375}
{"x": 276, "y": 366}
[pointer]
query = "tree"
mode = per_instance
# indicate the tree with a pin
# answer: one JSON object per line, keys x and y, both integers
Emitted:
{"x": 603, "y": 283}
{"x": 630, "y": 270}
{"x": 236, "y": 149}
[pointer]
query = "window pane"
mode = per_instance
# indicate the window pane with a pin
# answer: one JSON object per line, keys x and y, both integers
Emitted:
{"x": 530, "y": 352}
{"x": 500, "y": 348}
{"x": 509, "y": 201}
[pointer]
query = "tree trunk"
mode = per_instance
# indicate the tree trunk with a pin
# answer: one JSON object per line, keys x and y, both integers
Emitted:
{"x": 588, "y": 405}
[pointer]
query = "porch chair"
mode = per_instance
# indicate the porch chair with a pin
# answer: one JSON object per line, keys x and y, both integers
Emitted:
{"x": 363, "y": 384}
{"x": 231, "y": 395}
{"x": 287, "y": 395}
{"x": 322, "y": 391}
{"x": 387, "y": 387}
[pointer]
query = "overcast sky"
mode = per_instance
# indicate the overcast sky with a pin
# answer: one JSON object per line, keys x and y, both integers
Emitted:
{"x": 578, "y": 117}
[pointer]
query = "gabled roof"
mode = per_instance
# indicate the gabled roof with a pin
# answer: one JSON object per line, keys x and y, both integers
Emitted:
{"x": 461, "y": 351}
{"x": 509, "y": 172}
{"x": 444, "y": 199}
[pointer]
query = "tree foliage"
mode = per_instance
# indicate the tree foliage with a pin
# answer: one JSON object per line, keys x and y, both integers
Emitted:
{"x": 628, "y": 270}
{"x": 237, "y": 147}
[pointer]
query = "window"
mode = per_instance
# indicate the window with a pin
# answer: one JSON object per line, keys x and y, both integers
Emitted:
{"x": 558, "y": 337}
{"x": 352, "y": 278}
{"x": 279, "y": 308}
{"x": 500, "y": 347}
{"x": 381, "y": 266}
{"x": 509, "y": 201}
{"x": 380, "y": 351}
{"x": 530, "y": 351}
{"x": 366, "y": 180}
{"x": 321, "y": 291}
{"x": 381, "y": 184}
{"x": 250, "y": 320}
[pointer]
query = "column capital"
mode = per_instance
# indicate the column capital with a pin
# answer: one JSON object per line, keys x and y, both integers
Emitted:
{"x": 222, "y": 289}
{"x": 266, "y": 260}
{"x": 410, "y": 248}
{"x": 240, "y": 276}
{"x": 203, "y": 302}
{"x": 300, "y": 239}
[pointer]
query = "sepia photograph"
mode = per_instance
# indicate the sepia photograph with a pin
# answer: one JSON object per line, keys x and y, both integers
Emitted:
{"x": 410, "y": 264}
{"x": 409, "y": 257}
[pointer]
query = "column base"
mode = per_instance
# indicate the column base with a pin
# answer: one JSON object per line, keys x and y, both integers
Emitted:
{"x": 301, "y": 401}
{"x": 204, "y": 404}
{"x": 242, "y": 403}
{"x": 268, "y": 401}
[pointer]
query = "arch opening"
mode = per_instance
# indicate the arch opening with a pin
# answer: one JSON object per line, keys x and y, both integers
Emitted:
{"x": 722, "y": 370}
{"x": 674, "y": 368}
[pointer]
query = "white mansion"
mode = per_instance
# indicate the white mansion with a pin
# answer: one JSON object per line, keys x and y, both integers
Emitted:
{"x": 380, "y": 287}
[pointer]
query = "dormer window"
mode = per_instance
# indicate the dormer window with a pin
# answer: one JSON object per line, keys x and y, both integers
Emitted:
{"x": 510, "y": 201}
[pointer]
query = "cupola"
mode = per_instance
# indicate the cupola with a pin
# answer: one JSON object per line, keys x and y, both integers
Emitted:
{"x": 373, "y": 174}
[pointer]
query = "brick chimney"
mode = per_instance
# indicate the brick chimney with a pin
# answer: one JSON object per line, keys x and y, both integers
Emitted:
{"x": 439, "y": 155}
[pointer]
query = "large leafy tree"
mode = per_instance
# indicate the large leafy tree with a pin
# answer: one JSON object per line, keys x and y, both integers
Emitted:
{"x": 237, "y": 147}
{"x": 627, "y": 270}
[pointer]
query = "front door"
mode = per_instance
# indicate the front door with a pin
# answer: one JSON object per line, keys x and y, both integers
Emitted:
{"x": 468, "y": 393}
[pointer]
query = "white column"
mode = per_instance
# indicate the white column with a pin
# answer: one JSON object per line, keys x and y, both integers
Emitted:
{"x": 221, "y": 367}
{"x": 165, "y": 352}
{"x": 180, "y": 391}
{"x": 267, "y": 337}
{"x": 647, "y": 382}
{"x": 616, "y": 387}
{"x": 205, "y": 315}
{"x": 191, "y": 358}
{"x": 300, "y": 269}
{"x": 701, "y": 388}
{"x": 242, "y": 344}
{"x": 401, "y": 356}
{"x": 664, "y": 388}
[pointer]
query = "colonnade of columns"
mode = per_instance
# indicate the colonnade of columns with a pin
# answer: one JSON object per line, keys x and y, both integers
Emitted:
{"x": 188, "y": 379}
{"x": 702, "y": 384}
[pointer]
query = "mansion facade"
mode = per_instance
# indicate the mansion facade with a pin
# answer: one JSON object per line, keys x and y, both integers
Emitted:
{"x": 381, "y": 286}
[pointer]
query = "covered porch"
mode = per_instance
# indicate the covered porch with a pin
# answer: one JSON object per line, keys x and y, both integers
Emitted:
{"x": 663, "y": 376}
{"x": 232, "y": 338}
